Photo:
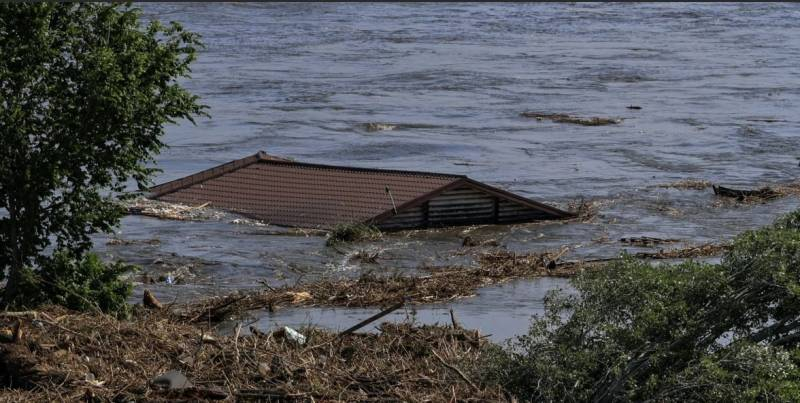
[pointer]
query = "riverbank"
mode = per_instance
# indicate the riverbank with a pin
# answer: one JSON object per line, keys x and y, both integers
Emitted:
{"x": 62, "y": 355}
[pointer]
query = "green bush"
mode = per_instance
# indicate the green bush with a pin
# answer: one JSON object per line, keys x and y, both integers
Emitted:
{"x": 683, "y": 332}
{"x": 83, "y": 284}
{"x": 352, "y": 233}
{"x": 81, "y": 119}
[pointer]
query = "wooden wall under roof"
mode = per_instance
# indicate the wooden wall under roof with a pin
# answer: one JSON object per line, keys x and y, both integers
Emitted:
{"x": 463, "y": 206}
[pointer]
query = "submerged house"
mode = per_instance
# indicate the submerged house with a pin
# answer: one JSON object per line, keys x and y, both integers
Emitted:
{"x": 295, "y": 194}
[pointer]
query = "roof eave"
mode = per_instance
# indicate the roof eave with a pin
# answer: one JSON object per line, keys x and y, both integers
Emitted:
{"x": 520, "y": 199}
{"x": 219, "y": 170}
{"x": 558, "y": 213}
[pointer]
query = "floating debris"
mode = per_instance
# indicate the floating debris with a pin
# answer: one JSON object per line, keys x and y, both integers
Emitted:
{"x": 118, "y": 241}
{"x": 366, "y": 256}
{"x": 180, "y": 269}
{"x": 767, "y": 120}
{"x": 704, "y": 250}
{"x": 379, "y": 127}
{"x": 171, "y": 211}
{"x": 646, "y": 241}
{"x": 634, "y": 107}
{"x": 469, "y": 242}
{"x": 440, "y": 284}
{"x": 586, "y": 211}
{"x": 693, "y": 184}
{"x": 765, "y": 193}
{"x": 562, "y": 118}
{"x": 247, "y": 221}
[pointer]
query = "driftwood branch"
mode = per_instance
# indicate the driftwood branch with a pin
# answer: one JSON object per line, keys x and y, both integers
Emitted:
{"x": 373, "y": 318}
{"x": 456, "y": 370}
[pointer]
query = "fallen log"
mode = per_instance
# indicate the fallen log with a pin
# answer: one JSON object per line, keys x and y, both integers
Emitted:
{"x": 763, "y": 193}
{"x": 646, "y": 240}
{"x": 373, "y": 318}
{"x": 563, "y": 118}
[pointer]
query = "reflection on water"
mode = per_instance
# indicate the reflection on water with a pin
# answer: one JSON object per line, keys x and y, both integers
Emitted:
{"x": 718, "y": 92}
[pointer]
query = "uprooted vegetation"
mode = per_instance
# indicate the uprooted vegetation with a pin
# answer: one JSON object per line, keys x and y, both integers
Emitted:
{"x": 67, "y": 356}
{"x": 171, "y": 211}
{"x": 434, "y": 284}
{"x": 354, "y": 232}
{"x": 437, "y": 284}
{"x": 563, "y": 118}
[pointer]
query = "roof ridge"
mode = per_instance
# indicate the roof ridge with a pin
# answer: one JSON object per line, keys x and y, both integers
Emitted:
{"x": 262, "y": 156}
{"x": 361, "y": 169}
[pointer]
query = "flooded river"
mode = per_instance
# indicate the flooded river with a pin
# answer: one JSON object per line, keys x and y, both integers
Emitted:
{"x": 718, "y": 86}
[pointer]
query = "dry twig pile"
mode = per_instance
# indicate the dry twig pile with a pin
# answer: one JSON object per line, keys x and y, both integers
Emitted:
{"x": 67, "y": 356}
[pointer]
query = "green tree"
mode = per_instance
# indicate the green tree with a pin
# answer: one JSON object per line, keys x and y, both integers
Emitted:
{"x": 683, "y": 332}
{"x": 85, "y": 93}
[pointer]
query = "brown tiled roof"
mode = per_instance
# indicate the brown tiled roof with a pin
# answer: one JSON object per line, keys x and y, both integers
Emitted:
{"x": 284, "y": 192}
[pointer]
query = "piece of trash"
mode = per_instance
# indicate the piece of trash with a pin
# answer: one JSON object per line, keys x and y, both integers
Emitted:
{"x": 292, "y": 335}
{"x": 171, "y": 380}
{"x": 170, "y": 280}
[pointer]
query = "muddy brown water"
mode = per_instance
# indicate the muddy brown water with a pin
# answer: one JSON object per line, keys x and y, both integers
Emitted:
{"x": 718, "y": 87}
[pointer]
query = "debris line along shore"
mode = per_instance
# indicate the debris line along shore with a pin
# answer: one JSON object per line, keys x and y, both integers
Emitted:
{"x": 435, "y": 284}
{"x": 63, "y": 355}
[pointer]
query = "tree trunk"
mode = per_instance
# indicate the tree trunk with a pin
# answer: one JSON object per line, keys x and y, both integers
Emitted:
{"x": 11, "y": 289}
